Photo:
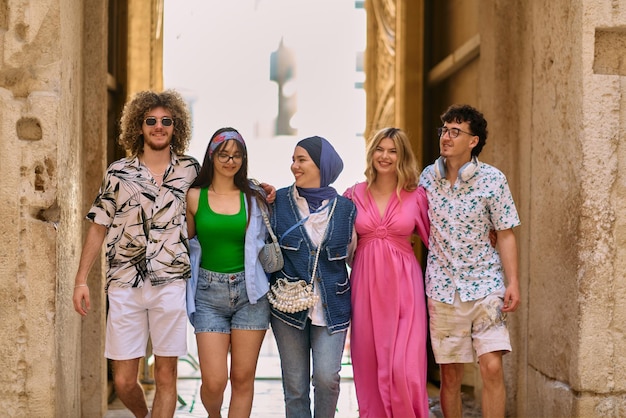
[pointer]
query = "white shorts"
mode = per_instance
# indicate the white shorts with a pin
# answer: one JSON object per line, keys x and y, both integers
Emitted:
{"x": 138, "y": 312}
{"x": 460, "y": 329}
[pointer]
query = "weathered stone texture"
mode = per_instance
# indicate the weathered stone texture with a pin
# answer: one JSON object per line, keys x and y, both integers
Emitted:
{"x": 556, "y": 397}
{"x": 572, "y": 200}
{"x": 29, "y": 244}
{"x": 601, "y": 281}
{"x": 555, "y": 192}
{"x": 31, "y": 47}
{"x": 37, "y": 68}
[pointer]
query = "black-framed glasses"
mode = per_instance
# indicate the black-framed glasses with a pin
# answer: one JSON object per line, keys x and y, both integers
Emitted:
{"x": 165, "y": 121}
{"x": 452, "y": 132}
{"x": 222, "y": 157}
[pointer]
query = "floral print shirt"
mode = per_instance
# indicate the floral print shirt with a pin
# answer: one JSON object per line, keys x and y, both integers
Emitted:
{"x": 461, "y": 257}
{"x": 147, "y": 234}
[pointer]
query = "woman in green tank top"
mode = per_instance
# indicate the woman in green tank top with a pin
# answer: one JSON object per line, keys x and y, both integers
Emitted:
{"x": 231, "y": 307}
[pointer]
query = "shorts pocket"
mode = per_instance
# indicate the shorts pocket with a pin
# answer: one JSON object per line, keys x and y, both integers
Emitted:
{"x": 204, "y": 281}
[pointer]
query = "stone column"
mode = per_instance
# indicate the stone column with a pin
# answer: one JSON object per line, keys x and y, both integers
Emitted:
{"x": 40, "y": 84}
{"x": 552, "y": 84}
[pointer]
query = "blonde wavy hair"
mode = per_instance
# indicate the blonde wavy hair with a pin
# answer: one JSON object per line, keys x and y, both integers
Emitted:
{"x": 131, "y": 136}
{"x": 406, "y": 165}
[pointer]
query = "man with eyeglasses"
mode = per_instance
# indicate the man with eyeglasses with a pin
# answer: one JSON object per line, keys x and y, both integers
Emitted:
{"x": 465, "y": 275}
{"x": 140, "y": 212}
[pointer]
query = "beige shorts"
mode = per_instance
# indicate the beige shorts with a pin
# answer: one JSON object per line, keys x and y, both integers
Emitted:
{"x": 464, "y": 329}
{"x": 138, "y": 312}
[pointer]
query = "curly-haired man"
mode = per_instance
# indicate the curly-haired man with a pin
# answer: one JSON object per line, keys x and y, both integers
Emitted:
{"x": 140, "y": 212}
{"x": 468, "y": 299}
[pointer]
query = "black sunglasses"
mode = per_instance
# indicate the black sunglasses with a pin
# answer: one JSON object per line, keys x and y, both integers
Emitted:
{"x": 165, "y": 121}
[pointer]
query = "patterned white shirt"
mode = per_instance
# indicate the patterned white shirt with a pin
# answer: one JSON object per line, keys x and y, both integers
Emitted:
{"x": 147, "y": 234}
{"x": 461, "y": 257}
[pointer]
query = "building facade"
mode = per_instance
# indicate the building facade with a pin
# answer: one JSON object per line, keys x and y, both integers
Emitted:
{"x": 548, "y": 75}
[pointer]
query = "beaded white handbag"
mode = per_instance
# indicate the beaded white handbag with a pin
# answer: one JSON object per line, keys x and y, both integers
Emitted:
{"x": 291, "y": 297}
{"x": 295, "y": 296}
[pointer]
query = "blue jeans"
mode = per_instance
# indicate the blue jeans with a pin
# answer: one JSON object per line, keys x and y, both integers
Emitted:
{"x": 294, "y": 347}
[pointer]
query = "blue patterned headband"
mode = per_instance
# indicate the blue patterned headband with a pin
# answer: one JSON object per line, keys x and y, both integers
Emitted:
{"x": 223, "y": 137}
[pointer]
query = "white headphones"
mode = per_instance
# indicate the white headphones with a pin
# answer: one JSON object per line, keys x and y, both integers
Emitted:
{"x": 466, "y": 172}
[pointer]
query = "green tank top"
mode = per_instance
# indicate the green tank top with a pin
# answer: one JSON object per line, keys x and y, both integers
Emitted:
{"x": 222, "y": 237}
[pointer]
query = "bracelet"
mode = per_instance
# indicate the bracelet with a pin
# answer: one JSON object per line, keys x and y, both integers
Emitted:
{"x": 81, "y": 285}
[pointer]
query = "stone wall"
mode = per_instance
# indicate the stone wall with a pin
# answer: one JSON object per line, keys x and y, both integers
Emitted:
{"x": 552, "y": 85}
{"x": 35, "y": 156}
{"x": 92, "y": 160}
{"x": 52, "y": 102}
{"x": 600, "y": 379}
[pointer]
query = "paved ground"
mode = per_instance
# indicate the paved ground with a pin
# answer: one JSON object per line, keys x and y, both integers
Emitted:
{"x": 268, "y": 393}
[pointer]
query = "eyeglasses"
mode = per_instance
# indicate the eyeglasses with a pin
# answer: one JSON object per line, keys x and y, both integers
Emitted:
{"x": 452, "y": 132}
{"x": 222, "y": 157}
{"x": 165, "y": 121}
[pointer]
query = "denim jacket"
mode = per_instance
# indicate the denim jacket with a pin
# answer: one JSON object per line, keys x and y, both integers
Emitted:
{"x": 299, "y": 255}
{"x": 257, "y": 283}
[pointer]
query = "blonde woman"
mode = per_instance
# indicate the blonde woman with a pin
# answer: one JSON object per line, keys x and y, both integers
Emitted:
{"x": 388, "y": 340}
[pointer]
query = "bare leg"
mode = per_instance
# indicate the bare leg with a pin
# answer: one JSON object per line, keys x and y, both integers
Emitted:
{"x": 245, "y": 347}
{"x": 165, "y": 373}
{"x": 450, "y": 392}
{"x": 128, "y": 388}
{"x": 213, "y": 352}
{"x": 494, "y": 391}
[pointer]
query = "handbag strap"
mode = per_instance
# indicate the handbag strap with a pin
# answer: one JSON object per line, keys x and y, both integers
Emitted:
{"x": 301, "y": 221}
{"x": 269, "y": 227}
{"x": 319, "y": 247}
{"x": 294, "y": 226}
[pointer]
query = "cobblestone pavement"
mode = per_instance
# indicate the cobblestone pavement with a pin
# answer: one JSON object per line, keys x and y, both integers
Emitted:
{"x": 268, "y": 392}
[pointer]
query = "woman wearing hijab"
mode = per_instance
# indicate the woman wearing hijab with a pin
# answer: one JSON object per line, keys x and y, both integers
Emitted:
{"x": 314, "y": 226}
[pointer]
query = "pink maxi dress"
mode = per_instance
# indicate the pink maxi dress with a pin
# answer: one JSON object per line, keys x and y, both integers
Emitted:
{"x": 389, "y": 325}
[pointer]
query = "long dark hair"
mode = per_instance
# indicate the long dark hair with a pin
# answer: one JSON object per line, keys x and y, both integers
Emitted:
{"x": 205, "y": 177}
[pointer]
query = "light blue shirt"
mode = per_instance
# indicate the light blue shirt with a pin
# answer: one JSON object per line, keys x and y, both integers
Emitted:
{"x": 257, "y": 283}
{"x": 195, "y": 257}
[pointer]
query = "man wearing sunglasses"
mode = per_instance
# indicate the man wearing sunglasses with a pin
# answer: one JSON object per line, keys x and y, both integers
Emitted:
{"x": 140, "y": 213}
{"x": 465, "y": 274}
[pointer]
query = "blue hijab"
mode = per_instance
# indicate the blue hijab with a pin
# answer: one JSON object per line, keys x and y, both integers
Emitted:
{"x": 330, "y": 164}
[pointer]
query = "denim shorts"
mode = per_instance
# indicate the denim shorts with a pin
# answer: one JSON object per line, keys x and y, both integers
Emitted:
{"x": 222, "y": 304}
